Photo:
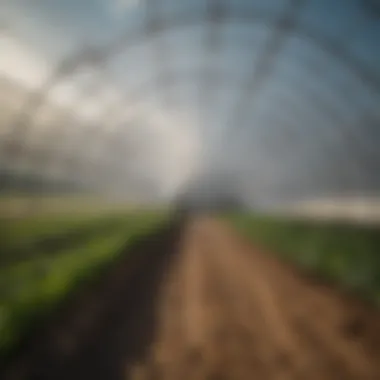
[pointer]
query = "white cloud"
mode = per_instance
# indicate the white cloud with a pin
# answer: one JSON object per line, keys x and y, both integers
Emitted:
{"x": 169, "y": 145}
{"x": 21, "y": 63}
{"x": 118, "y": 7}
{"x": 169, "y": 149}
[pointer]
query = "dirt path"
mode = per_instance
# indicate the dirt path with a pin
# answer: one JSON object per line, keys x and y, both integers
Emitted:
{"x": 203, "y": 304}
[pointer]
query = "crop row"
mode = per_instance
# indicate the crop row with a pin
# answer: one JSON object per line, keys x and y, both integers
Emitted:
{"x": 345, "y": 254}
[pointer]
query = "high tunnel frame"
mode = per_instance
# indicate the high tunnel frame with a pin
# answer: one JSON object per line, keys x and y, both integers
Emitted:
{"x": 299, "y": 104}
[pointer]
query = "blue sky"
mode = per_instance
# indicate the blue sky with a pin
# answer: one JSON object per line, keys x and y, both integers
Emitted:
{"x": 296, "y": 132}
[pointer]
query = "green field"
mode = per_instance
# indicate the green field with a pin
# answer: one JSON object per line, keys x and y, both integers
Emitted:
{"x": 44, "y": 258}
{"x": 345, "y": 254}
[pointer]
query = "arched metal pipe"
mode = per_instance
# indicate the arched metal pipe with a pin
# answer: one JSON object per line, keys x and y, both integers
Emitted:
{"x": 99, "y": 56}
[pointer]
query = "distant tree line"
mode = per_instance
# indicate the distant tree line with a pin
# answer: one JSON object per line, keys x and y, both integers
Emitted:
{"x": 11, "y": 182}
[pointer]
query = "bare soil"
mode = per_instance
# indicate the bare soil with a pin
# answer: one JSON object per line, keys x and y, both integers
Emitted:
{"x": 196, "y": 301}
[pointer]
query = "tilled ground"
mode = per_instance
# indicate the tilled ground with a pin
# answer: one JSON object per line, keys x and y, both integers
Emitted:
{"x": 200, "y": 303}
